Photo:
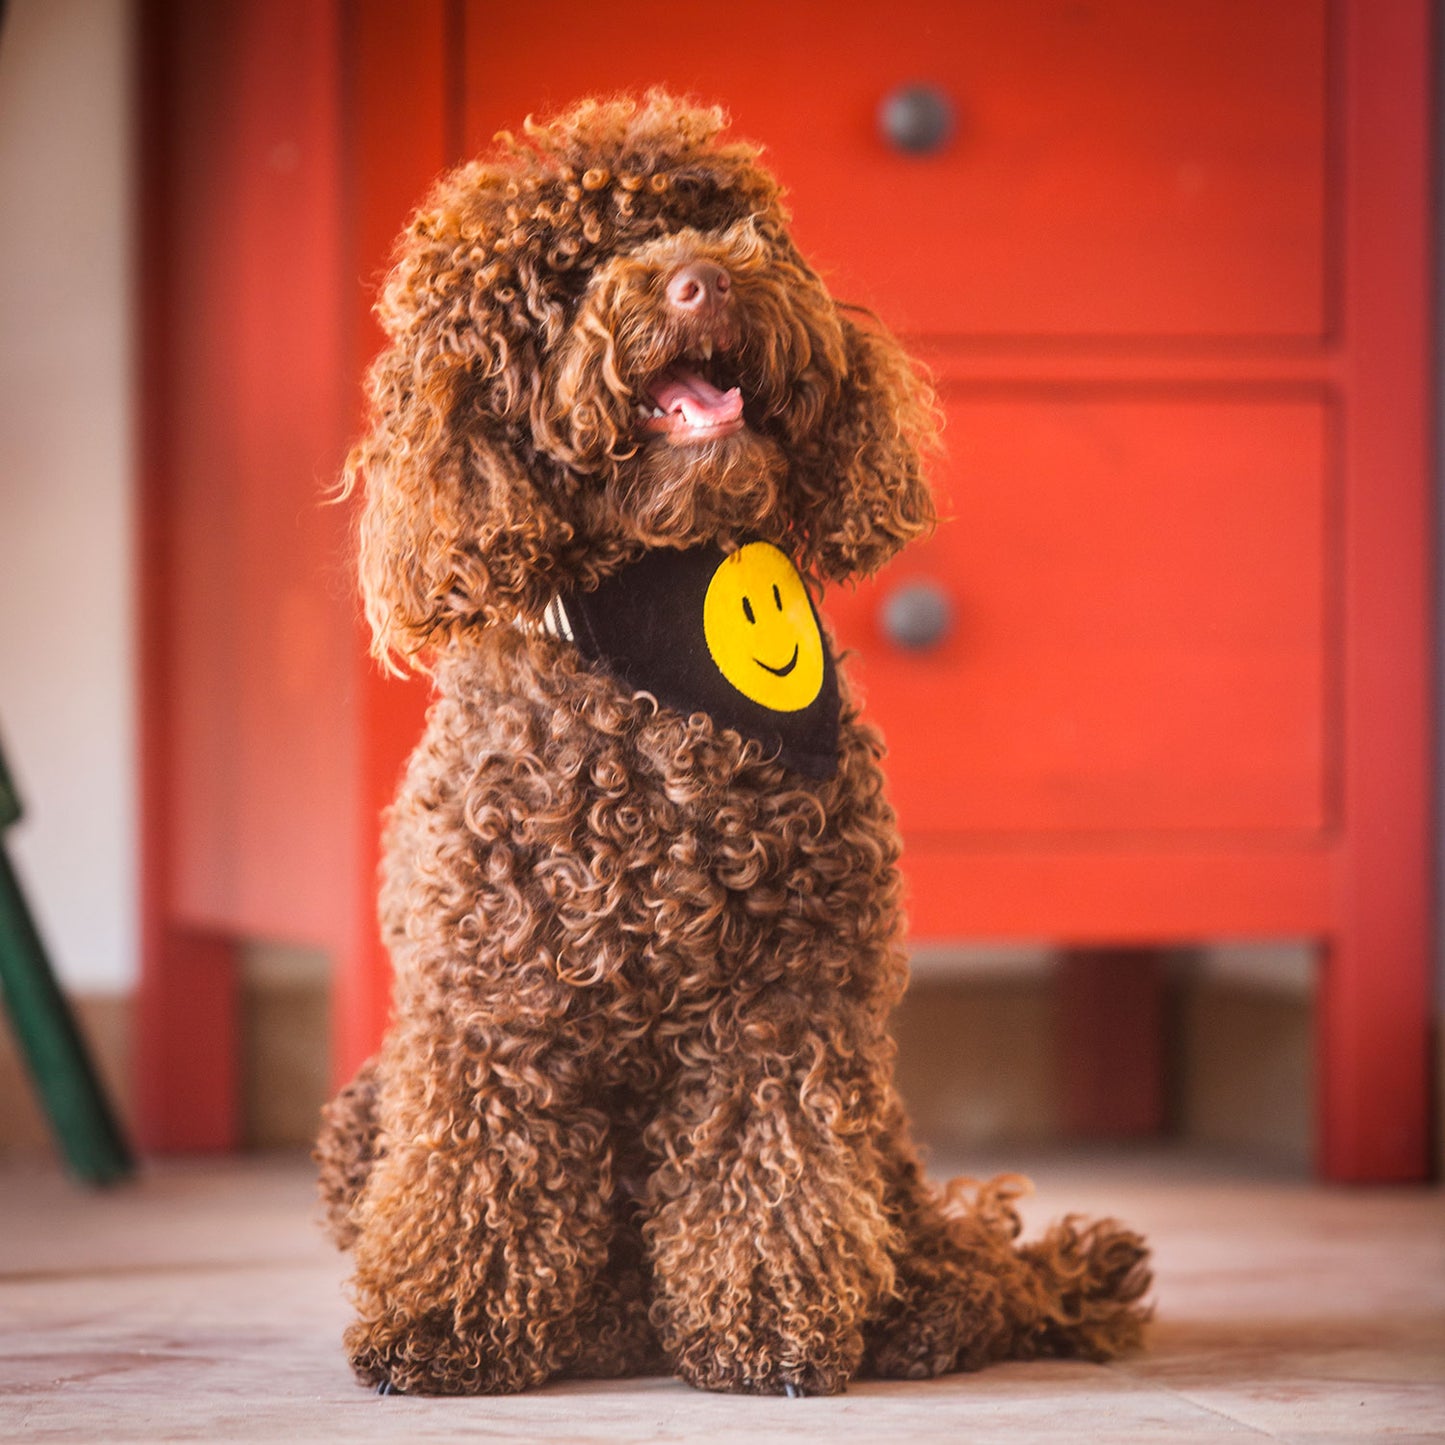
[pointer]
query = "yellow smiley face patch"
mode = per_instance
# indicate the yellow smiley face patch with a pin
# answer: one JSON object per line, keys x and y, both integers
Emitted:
{"x": 733, "y": 637}
{"x": 760, "y": 629}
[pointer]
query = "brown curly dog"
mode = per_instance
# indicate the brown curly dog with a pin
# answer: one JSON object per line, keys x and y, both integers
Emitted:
{"x": 636, "y": 1108}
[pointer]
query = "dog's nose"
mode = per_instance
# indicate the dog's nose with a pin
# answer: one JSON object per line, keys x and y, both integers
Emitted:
{"x": 698, "y": 286}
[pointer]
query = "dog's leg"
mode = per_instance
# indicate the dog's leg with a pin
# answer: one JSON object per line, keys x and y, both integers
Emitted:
{"x": 948, "y": 1311}
{"x": 346, "y": 1150}
{"x": 484, "y": 1234}
{"x": 969, "y": 1294}
{"x": 769, "y": 1241}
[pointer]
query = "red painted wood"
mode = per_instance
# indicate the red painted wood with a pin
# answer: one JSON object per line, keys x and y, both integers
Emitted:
{"x": 258, "y": 434}
{"x": 1109, "y": 1036}
{"x": 1103, "y": 891}
{"x": 1374, "y": 1018}
{"x": 189, "y": 1070}
{"x": 1118, "y": 168}
{"x": 153, "y": 61}
{"x": 245, "y": 614}
{"x": 401, "y": 129}
{"x": 184, "y": 1100}
{"x": 1139, "y": 636}
{"x": 173, "y": 1110}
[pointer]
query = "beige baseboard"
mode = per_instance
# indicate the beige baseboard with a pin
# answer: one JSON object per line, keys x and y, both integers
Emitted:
{"x": 1243, "y": 1077}
{"x": 975, "y": 1059}
{"x": 285, "y": 1045}
{"x": 977, "y": 1066}
{"x": 105, "y": 1023}
{"x": 284, "y": 1052}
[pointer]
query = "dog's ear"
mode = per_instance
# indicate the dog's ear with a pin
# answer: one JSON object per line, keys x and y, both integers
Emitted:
{"x": 456, "y": 528}
{"x": 870, "y": 497}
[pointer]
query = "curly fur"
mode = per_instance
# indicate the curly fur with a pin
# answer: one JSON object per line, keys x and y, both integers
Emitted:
{"x": 636, "y": 1108}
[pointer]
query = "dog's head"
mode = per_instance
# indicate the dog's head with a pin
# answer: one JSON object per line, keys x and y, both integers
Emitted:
{"x": 602, "y": 339}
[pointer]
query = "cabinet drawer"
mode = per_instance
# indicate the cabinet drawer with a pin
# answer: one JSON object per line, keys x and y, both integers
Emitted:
{"x": 1118, "y": 167}
{"x": 1138, "y": 635}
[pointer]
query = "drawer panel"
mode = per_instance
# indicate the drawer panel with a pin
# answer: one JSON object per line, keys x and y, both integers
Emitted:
{"x": 1138, "y": 637}
{"x": 1117, "y": 168}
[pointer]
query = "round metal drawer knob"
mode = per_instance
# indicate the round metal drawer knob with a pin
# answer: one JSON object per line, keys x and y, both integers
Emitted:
{"x": 916, "y": 119}
{"x": 917, "y": 615}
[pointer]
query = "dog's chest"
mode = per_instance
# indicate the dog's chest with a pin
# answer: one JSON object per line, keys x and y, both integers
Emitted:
{"x": 734, "y": 636}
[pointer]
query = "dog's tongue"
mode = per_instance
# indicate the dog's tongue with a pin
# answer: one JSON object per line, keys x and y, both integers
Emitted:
{"x": 697, "y": 399}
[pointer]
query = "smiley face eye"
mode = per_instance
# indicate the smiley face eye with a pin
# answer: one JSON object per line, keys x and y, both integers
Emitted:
{"x": 748, "y": 609}
{"x": 777, "y": 597}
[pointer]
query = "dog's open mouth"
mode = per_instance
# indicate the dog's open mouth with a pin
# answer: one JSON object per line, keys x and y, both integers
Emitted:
{"x": 688, "y": 405}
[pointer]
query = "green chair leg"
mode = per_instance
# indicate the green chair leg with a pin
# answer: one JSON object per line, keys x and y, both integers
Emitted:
{"x": 54, "y": 1051}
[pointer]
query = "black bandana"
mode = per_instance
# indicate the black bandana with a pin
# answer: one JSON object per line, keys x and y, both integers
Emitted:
{"x": 734, "y": 635}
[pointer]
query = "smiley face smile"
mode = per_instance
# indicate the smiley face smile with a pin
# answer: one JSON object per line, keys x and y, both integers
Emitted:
{"x": 785, "y": 669}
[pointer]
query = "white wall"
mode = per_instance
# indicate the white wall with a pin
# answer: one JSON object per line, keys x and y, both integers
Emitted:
{"x": 67, "y": 627}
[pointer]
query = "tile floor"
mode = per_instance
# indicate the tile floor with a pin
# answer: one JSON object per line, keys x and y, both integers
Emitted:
{"x": 201, "y": 1303}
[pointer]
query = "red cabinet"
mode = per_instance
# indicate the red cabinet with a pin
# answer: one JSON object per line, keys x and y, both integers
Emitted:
{"x": 1171, "y": 273}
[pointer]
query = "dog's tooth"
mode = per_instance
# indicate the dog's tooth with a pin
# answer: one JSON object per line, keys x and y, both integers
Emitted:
{"x": 706, "y": 349}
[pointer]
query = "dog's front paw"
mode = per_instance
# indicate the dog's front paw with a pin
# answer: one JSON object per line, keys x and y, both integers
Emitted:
{"x": 758, "y": 1369}
{"x": 797, "y": 1385}
{"x": 439, "y": 1366}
